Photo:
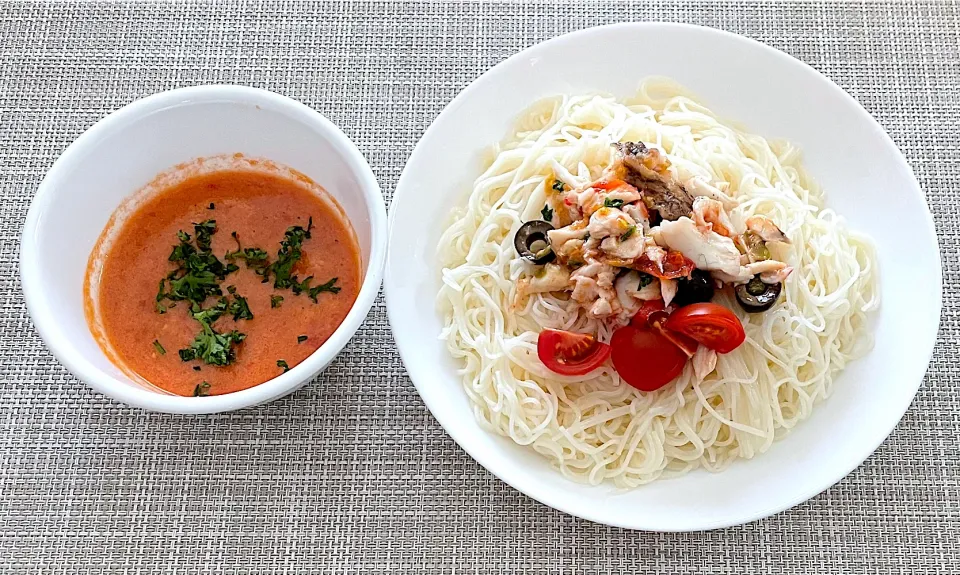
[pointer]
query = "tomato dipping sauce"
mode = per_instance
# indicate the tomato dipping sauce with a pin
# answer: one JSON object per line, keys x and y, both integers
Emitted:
{"x": 232, "y": 247}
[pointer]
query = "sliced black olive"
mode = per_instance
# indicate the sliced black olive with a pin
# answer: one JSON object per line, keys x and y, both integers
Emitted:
{"x": 698, "y": 289}
{"x": 532, "y": 244}
{"x": 756, "y": 296}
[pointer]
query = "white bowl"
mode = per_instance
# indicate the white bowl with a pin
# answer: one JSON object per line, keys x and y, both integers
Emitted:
{"x": 865, "y": 178}
{"x": 122, "y": 153}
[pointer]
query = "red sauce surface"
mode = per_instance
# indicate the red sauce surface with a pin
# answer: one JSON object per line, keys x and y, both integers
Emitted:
{"x": 260, "y": 207}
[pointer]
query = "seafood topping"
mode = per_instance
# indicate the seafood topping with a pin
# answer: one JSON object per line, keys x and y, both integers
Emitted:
{"x": 648, "y": 170}
{"x": 611, "y": 262}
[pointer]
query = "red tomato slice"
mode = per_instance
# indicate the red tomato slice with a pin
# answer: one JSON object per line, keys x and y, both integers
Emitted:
{"x": 710, "y": 324}
{"x": 674, "y": 265}
{"x": 648, "y": 307}
{"x": 569, "y": 353}
{"x": 657, "y": 320}
{"x": 645, "y": 359}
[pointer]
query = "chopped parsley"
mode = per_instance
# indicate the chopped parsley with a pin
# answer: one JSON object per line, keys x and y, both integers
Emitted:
{"x": 299, "y": 287}
{"x": 608, "y": 203}
{"x": 645, "y": 280}
{"x": 198, "y": 276}
{"x": 557, "y": 186}
{"x": 255, "y": 258}
{"x": 198, "y": 272}
{"x": 290, "y": 252}
{"x": 202, "y": 389}
{"x": 239, "y": 306}
{"x": 626, "y": 235}
{"x": 547, "y": 213}
{"x": 211, "y": 346}
{"x": 288, "y": 256}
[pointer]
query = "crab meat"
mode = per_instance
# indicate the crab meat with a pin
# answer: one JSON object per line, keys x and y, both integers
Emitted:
{"x": 707, "y": 249}
{"x": 709, "y": 215}
{"x": 628, "y": 285}
{"x": 776, "y": 276}
{"x": 609, "y": 222}
{"x": 594, "y": 289}
{"x": 668, "y": 290}
{"x": 566, "y": 209}
{"x": 568, "y": 242}
{"x": 553, "y": 278}
{"x": 631, "y": 296}
{"x": 615, "y": 190}
{"x": 766, "y": 229}
{"x": 625, "y": 250}
{"x": 638, "y": 212}
{"x": 770, "y": 271}
{"x": 704, "y": 361}
{"x": 698, "y": 186}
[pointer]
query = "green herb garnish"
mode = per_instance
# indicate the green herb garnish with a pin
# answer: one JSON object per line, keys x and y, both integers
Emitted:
{"x": 645, "y": 280}
{"x": 255, "y": 258}
{"x": 198, "y": 272}
{"x": 290, "y": 252}
{"x": 239, "y": 306}
{"x": 283, "y": 364}
{"x": 547, "y": 213}
{"x": 202, "y": 390}
{"x": 327, "y": 287}
{"x": 626, "y": 235}
{"x": 608, "y": 203}
{"x": 158, "y": 347}
{"x": 211, "y": 346}
{"x": 287, "y": 257}
{"x": 557, "y": 186}
{"x": 301, "y": 338}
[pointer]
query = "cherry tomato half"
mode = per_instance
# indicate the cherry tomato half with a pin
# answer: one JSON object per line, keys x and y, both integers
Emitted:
{"x": 644, "y": 358}
{"x": 569, "y": 353}
{"x": 710, "y": 324}
{"x": 648, "y": 307}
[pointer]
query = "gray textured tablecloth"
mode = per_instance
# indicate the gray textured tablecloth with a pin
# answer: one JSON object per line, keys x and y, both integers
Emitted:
{"x": 352, "y": 474}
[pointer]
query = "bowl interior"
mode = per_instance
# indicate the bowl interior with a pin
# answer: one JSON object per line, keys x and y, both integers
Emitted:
{"x": 860, "y": 168}
{"x": 121, "y": 154}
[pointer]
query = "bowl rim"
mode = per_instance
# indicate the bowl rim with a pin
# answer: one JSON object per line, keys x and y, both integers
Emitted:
{"x": 490, "y": 461}
{"x": 59, "y": 343}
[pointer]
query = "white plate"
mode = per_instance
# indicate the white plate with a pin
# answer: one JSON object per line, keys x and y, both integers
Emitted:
{"x": 865, "y": 178}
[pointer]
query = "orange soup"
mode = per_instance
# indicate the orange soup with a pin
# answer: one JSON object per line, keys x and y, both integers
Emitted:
{"x": 223, "y": 280}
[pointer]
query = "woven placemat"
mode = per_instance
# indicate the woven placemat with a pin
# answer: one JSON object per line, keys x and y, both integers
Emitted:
{"x": 352, "y": 474}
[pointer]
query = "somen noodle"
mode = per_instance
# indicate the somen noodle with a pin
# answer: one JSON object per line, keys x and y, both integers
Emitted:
{"x": 596, "y": 428}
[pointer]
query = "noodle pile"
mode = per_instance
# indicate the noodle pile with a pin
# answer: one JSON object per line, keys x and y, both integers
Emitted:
{"x": 596, "y": 428}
